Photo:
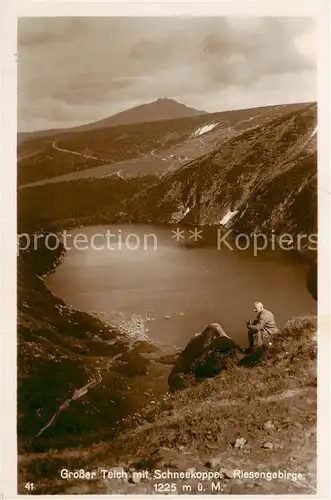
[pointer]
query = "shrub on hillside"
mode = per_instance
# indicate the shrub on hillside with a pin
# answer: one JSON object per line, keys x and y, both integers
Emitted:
{"x": 297, "y": 326}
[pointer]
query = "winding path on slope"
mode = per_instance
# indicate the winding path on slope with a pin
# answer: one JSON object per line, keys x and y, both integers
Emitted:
{"x": 77, "y": 153}
{"x": 105, "y": 170}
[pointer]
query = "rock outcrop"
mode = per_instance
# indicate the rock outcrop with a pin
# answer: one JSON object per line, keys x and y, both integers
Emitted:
{"x": 206, "y": 355}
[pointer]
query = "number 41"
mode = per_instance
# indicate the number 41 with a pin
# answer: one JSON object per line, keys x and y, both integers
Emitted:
{"x": 29, "y": 486}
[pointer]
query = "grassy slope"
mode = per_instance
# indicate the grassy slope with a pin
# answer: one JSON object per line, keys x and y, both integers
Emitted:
{"x": 268, "y": 174}
{"x": 188, "y": 428}
{"x": 37, "y": 158}
{"x": 111, "y": 144}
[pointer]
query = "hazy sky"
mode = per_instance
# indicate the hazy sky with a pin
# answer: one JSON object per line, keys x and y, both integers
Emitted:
{"x": 78, "y": 70}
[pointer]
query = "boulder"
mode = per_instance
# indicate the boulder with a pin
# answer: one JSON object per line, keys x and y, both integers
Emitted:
{"x": 240, "y": 442}
{"x": 206, "y": 355}
{"x": 268, "y": 445}
{"x": 269, "y": 426}
{"x": 131, "y": 364}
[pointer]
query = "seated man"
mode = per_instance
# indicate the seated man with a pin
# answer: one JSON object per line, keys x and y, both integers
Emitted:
{"x": 261, "y": 329}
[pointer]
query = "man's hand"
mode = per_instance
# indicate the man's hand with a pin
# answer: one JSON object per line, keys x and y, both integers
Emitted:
{"x": 248, "y": 323}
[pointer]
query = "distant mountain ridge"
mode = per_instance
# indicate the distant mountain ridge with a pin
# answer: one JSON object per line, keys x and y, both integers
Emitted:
{"x": 161, "y": 109}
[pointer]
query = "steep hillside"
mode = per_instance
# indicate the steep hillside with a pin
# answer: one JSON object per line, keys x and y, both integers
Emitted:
{"x": 267, "y": 176}
{"x": 258, "y": 416}
{"x": 77, "y": 150}
{"x": 70, "y": 204}
{"x": 77, "y": 376}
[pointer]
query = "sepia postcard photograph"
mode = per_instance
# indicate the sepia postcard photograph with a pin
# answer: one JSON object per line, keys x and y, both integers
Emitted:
{"x": 168, "y": 237}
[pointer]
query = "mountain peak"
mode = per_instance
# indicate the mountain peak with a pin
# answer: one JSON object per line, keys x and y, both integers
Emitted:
{"x": 164, "y": 108}
{"x": 166, "y": 99}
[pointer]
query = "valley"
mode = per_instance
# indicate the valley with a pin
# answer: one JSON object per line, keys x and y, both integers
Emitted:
{"x": 92, "y": 390}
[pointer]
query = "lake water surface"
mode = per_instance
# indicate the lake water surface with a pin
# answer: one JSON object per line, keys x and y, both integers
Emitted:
{"x": 180, "y": 287}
